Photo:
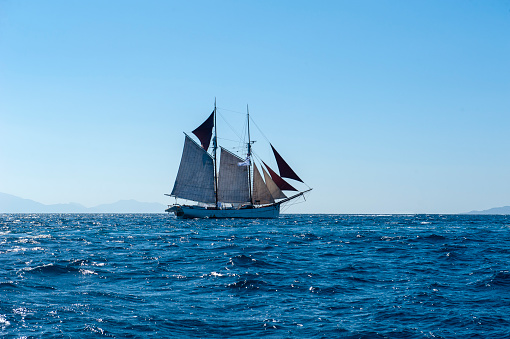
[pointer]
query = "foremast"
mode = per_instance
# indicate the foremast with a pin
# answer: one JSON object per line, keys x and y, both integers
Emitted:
{"x": 215, "y": 148}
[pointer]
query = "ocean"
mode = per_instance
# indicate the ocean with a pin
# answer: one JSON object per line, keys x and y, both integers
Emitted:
{"x": 299, "y": 276}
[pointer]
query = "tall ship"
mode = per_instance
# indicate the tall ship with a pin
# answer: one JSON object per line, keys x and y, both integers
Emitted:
{"x": 238, "y": 189}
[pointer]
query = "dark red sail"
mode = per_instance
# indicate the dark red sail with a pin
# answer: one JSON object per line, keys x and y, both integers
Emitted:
{"x": 282, "y": 184}
{"x": 284, "y": 168}
{"x": 204, "y": 131}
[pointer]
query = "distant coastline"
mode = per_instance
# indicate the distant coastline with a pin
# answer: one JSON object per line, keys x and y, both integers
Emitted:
{"x": 496, "y": 210}
{"x": 13, "y": 204}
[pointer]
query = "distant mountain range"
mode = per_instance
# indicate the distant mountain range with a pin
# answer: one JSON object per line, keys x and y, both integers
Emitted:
{"x": 12, "y": 204}
{"x": 495, "y": 210}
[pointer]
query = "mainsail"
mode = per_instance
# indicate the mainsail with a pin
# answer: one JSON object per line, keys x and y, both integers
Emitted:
{"x": 233, "y": 184}
{"x": 261, "y": 193}
{"x": 195, "y": 178}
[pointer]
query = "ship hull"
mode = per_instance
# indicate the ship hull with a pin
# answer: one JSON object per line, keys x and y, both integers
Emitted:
{"x": 190, "y": 212}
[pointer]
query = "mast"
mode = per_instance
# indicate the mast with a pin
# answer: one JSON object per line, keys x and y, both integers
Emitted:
{"x": 215, "y": 147}
{"x": 249, "y": 154}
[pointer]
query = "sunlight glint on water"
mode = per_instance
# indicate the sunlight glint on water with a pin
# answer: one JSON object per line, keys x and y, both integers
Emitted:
{"x": 415, "y": 276}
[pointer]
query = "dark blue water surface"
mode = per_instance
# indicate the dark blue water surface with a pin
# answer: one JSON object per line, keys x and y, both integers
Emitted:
{"x": 308, "y": 276}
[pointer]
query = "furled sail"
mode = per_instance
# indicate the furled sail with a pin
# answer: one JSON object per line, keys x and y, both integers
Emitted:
{"x": 275, "y": 191}
{"x": 204, "y": 131}
{"x": 233, "y": 184}
{"x": 195, "y": 178}
{"x": 261, "y": 194}
{"x": 284, "y": 168}
{"x": 282, "y": 184}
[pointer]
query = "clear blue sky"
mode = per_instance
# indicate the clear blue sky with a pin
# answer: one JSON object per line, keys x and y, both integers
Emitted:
{"x": 380, "y": 106}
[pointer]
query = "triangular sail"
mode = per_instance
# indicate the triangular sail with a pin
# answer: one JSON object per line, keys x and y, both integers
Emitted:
{"x": 261, "y": 194}
{"x": 284, "y": 168}
{"x": 282, "y": 184}
{"x": 275, "y": 191}
{"x": 195, "y": 178}
{"x": 233, "y": 184}
{"x": 204, "y": 131}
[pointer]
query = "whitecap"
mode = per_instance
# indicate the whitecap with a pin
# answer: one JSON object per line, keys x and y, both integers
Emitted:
{"x": 41, "y": 236}
{"x": 4, "y": 322}
{"x": 82, "y": 271}
{"x": 98, "y": 264}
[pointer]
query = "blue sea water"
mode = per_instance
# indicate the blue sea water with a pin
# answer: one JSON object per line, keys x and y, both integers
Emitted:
{"x": 299, "y": 276}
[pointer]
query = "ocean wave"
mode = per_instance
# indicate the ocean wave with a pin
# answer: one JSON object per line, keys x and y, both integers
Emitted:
{"x": 309, "y": 276}
{"x": 6, "y": 285}
{"x": 4, "y": 322}
{"x": 250, "y": 284}
{"x": 74, "y": 267}
{"x": 51, "y": 269}
{"x": 247, "y": 261}
{"x": 498, "y": 279}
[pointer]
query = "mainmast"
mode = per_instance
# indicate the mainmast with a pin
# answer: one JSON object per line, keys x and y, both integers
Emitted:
{"x": 215, "y": 147}
{"x": 249, "y": 154}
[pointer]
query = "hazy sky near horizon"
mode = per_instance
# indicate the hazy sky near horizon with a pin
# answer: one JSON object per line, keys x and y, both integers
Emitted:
{"x": 380, "y": 106}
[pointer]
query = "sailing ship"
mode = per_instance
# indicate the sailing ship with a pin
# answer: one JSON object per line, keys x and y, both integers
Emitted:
{"x": 237, "y": 190}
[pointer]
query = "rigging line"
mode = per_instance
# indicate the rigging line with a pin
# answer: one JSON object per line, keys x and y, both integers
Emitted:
{"x": 229, "y": 110}
{"x": 287, "y": 206}
{"x": 237, "y": 147}
{"x": 244, "y": 132}
{"x": 229, "y": 125}
{"x": 227, "y": 139}
{"x": 241, "y": 139}
{"x": 260, "y": 161}
{"x": 260, "y": 130}
{"x": 255, "y": 155}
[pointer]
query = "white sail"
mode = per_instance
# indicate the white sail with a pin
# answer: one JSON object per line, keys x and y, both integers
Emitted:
{"x": 233, "y": 184}
{"x": 261, "y": 194}
{"x": 276, "y": 192}
{"x": 195, "y": 178}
